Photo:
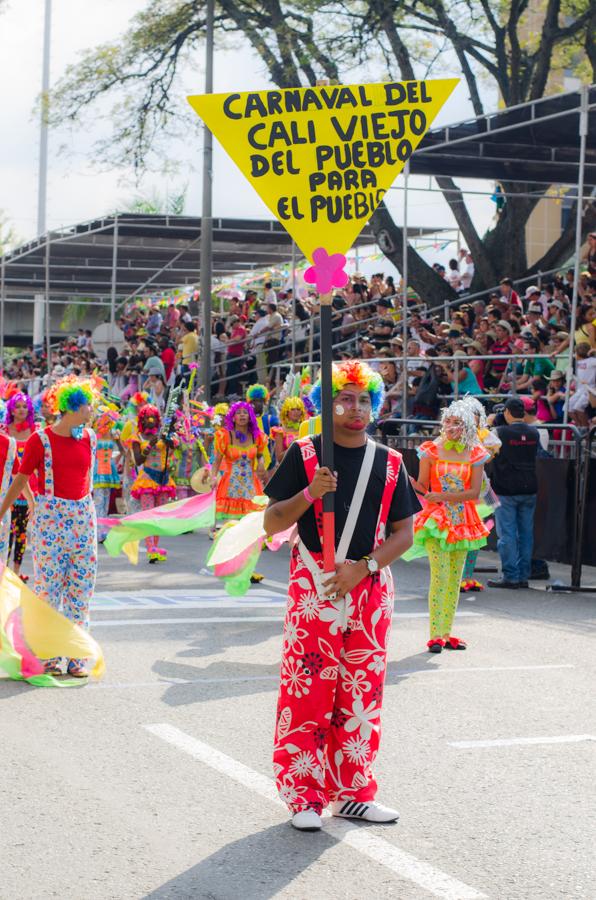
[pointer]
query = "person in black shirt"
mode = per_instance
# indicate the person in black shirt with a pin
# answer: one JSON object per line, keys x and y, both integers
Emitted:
{"x": 513, "y": 479}
{"x": 336, "y": 630}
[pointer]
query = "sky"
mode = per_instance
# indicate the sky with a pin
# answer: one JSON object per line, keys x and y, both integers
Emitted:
{"x": 78, "y": 191}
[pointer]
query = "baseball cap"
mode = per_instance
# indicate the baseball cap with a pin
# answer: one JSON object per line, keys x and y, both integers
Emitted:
{"x": 384, "y": 302}
{"x": 515, "y": 406}
{"x": 535, "y": 308}
{"x": 503, "y": 323}
{"x": 529, "y": 339}
{"x": 529, "y": 404}
{"x": 533, "y": 289}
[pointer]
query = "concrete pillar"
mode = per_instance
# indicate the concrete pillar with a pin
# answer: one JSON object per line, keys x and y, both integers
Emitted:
{"x": 39, "y": 306}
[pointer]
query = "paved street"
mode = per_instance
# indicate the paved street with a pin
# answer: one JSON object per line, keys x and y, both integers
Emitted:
{"x": 156, "y": 783}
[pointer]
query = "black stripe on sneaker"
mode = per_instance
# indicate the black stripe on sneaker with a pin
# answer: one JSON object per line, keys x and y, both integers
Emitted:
{"x": 346, "y": 809}
{"x": 361, "y": 810}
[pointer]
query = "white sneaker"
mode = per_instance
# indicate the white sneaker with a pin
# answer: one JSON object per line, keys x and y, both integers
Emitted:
{"x": 307, "y": 820}
{"x": 369, "y": 812}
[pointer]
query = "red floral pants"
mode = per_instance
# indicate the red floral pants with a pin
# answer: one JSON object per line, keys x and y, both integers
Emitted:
{"x": 332, "y": 674}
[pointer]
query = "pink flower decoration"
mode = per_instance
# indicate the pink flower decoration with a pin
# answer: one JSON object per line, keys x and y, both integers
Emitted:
{"x": 327, "y": 272}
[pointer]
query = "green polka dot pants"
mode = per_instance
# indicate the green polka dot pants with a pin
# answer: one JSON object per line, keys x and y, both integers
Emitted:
{"x": 446, "y": 567}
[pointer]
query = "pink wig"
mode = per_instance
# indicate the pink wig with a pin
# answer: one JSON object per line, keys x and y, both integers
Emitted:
{"x": 20, "y": 398}
{"x": 253, "y": 427}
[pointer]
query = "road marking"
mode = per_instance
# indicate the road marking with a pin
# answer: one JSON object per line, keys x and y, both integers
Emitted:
{"x": 402, "y": 864}
{"x": 210, "y": 620}
{"x": 521, "y": 742}
{"x": 457, "y": 669}
{"x": 266, "y": 582}
{"x": 208, "y": 598}
{"x": 218, "y": 620}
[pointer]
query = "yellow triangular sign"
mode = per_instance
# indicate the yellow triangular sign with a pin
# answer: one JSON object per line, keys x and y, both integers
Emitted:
{"x": 322, "y": 158}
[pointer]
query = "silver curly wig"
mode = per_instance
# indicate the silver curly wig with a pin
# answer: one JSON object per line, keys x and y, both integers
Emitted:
{"x": 462, "y": 410}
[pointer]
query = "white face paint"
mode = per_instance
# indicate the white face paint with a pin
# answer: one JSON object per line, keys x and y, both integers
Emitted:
{"x": 339, "y": 409}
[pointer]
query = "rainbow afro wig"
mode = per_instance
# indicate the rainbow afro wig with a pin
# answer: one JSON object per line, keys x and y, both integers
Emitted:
{"x": 257, "y": 392}
{"x": 19, "y": 397}
{"x": 353, "y": 371}
{"x": 288, "y": 404}
{"x": 71, "y": 394}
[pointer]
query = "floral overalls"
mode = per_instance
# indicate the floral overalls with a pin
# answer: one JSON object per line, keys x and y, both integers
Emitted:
{"x": 334, "y": 659}
{"x": 65, "y": 545}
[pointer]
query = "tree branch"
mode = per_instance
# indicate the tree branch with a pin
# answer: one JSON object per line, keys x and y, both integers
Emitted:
{"x": 543, "y": 57}
{"x": 455, "y": 199}
{"x": 389, "y": 236}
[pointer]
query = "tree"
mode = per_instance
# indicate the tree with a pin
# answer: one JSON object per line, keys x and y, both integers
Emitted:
{"x": 8, "y": 236}
{"x": 301, "y": 41}
{"x": 156, "y": 203}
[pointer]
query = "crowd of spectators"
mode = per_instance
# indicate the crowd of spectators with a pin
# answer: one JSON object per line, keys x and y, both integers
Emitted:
{"x": 461, "y": 349}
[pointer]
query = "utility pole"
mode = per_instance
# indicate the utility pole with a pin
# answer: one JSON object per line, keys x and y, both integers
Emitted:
{"x": 206, "y": 275}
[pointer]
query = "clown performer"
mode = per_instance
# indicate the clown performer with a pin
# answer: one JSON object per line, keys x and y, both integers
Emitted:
{"x": 64, "y": 537}
{"x": 334, "y": 653}
{"x": 292, "y": 414}
{"x": 105, "y": 475}
{"x": 238, "y": 468}
{"x": 127, "y": 428}
{"x": 9, "y": 466}
{"x": 449, "y": 526}
{"x": 154, "y": 458}
{"x": 488, "y": 500}
{"x": 258, "y": 397}
{"x": 47, "y": 413}
{"x": 20, "y": 425}
{"x": 187, "y": 456}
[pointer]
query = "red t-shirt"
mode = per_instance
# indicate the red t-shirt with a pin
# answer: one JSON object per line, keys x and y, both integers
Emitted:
{"x": 168, "y": 358}
{"x": 71, "y": 463}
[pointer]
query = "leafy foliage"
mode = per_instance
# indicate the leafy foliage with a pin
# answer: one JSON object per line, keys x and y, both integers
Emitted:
{"x": 512, "y": 48}
{"x": 8, "y": 236}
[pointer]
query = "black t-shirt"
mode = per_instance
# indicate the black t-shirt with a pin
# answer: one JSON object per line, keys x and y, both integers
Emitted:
{"x": 291, "y": 478}
{"x": 513, "y": 470}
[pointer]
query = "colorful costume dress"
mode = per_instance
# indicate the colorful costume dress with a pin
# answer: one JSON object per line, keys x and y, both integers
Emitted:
{"x": 446, "y": 531}
{"x": 239, "y": 483}
{"x": 129, "y": 468}
{"x": 289, "y": 435}
{"x": 65, "y": 545}
{"x": 154, "y": 484}
{"x": 334, "y": 659}
{"x": 11, "y": 455}
{"x": 105, "y": 478}
{"x": 19, "y": 519}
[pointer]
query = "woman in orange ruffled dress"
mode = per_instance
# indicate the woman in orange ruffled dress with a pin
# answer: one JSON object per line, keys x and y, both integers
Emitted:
{"x": 238, "y": 467}
{"x": 449, "y": 526}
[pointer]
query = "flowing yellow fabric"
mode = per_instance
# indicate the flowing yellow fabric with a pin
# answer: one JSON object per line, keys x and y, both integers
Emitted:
{"x": 46, "y": 632}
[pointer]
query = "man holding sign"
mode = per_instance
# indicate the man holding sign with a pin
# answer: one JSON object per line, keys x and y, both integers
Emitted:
{"x": 322, "y": 158}
{"x": 337, "y": 626}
